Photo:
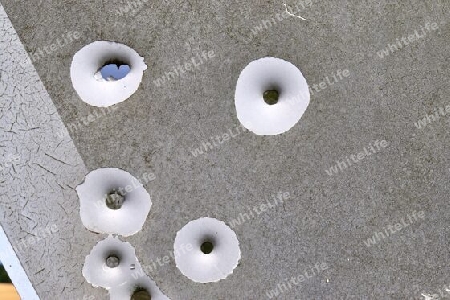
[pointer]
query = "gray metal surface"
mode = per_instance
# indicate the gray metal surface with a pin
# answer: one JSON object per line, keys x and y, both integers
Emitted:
{"x": 40, "y": 168}
{"x": 327, "y": 218}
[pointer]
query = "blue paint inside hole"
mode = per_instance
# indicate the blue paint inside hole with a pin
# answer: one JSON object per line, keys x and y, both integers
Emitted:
{"x": 114, "y": 71}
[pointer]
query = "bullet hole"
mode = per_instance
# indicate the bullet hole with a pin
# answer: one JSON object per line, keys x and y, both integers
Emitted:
{"x": 271, "y": 97}
{"x": 112, "y": 261}
{"x": 104, "y": 73}
{"x": 207, "y": 247}
{"x": 115, "y": 199}
{"x": 141, "y": 294}
{"x": 114, "y": 70}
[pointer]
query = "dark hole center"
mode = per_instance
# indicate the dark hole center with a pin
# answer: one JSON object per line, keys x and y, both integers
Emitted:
{"x": 207, "y": 247}
{"x": 271, "y": 97}
{"x": 114, "y": 200}
{"x": 112, "y": 261}
{"x": 141, "y": 294}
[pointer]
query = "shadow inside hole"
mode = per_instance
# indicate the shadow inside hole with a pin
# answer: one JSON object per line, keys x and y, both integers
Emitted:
{"x": 141, "y": 294}
{"x": 271, "y": 96}
{"x": 112, "y": 261}
{"x": 113, "y": 70}
{"x": 114, "y": 199}
{"x": 207, "y": 247}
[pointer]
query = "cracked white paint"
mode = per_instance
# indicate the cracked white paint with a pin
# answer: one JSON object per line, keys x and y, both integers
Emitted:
{"x": 39, "y": 189}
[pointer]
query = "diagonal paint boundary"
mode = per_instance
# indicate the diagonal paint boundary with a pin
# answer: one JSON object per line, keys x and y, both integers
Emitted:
{"x": 7, "y": 254}
{"x": 39, "y": 189}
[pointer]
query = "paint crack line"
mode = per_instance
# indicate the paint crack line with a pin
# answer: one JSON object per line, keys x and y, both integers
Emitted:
{"x": 289, "y": 11}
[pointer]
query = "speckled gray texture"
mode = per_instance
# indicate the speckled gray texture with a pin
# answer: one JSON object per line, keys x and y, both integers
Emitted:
{"x": 39, "y": 171}
{"x": 327, "y": 218}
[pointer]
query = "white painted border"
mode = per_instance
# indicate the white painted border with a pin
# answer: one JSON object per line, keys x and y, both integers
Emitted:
{"x": 12, "y": 265}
